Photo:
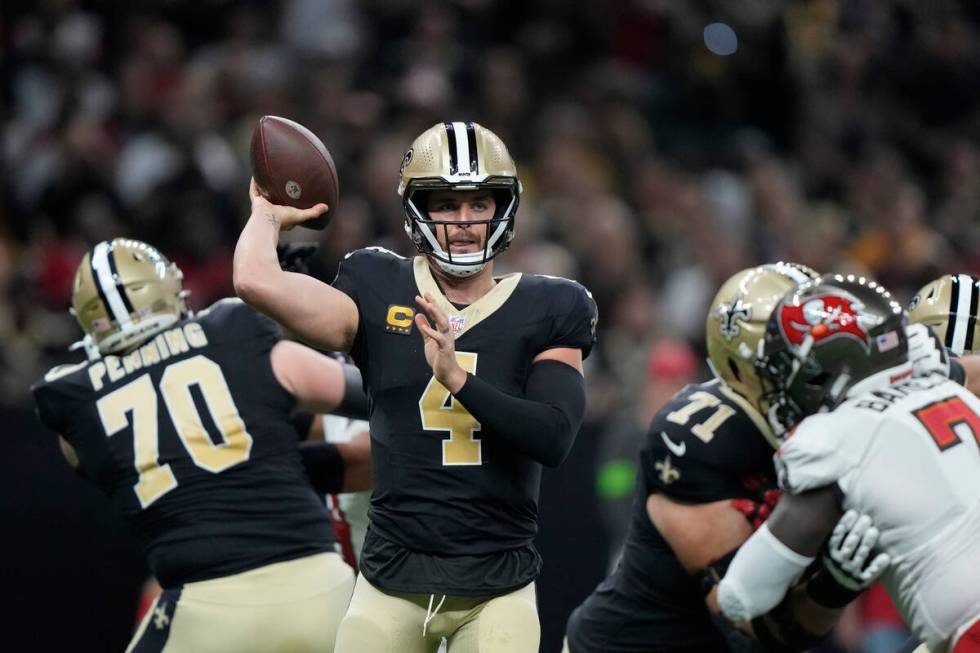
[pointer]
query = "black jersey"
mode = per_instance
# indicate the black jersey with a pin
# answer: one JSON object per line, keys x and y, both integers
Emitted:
{"x": 190, "y": 436}
{"x": 454, "y": 510}
{"x": 703, "y": 446}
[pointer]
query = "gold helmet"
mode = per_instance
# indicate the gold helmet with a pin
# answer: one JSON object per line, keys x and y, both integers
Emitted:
{"x": 124, "y": 291}
{"x": 949, "y": 305}
{"x": 458, "y": 156}
{"x": 736, "y": 322}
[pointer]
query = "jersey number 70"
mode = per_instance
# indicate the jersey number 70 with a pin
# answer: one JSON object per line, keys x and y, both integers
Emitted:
{"x": 137, "y": 402}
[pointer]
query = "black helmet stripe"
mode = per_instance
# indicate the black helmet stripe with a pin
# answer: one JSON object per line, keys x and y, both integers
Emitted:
{"x": 971, "y": 324}
{"x": 108, "y": 285}
{"x": 962, "y": 312}
{"x": 453, "y": 153}
{"x": 471, "y": 140}
{"x": 120, "y": 286}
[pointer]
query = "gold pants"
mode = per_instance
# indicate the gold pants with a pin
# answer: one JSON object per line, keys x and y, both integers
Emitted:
{"x": 397, "y": 622}
{"x": 286, "y": 607}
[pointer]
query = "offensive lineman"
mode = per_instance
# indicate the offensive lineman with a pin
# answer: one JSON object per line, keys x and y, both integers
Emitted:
{"x": 184, "y": 421}
{"x": 870, "y": 436}
{"x": 475, "y": 382}
{"x": 708, "y": 481}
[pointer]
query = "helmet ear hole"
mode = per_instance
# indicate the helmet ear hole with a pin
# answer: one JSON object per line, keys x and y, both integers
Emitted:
{"x": 735, "y": 371}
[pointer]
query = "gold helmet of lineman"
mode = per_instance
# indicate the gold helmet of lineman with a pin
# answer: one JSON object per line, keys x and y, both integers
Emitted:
{"x": 125, "y": 291}
{"x": 949, "y": 305}
{"x": 458, "y": 156}
{"x": 736, "y": 322}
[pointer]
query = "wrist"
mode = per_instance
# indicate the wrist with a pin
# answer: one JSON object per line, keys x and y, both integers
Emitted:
{"x": 825, "y": 590}
{"x": 456, "y": 380}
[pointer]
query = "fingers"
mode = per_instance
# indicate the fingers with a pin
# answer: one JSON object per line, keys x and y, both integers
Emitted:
{"x": 423, "y": 325}
{"x": 429, "y": 305}
{"x": 877, "y": 566}
{"x": 312, "y": 212}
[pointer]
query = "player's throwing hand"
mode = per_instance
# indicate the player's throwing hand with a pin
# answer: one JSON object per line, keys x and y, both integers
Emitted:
{"x": 285, "y": 217}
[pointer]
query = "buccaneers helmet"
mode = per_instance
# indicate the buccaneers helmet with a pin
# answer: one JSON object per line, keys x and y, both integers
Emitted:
{"x": 950, "y": 306}
{"x": 458, "y": 156}
{"x": 737, "y": 319}
{"x": 124, "y": 291}
{"x": 823, "y": 340}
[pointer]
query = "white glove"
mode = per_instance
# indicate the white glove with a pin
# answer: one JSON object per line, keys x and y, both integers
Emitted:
{"x": 926, "y": 351}
{"x": 849, "y": 549}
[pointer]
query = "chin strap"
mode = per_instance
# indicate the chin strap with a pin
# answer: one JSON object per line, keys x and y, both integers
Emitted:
{"x": 88, "y": 344}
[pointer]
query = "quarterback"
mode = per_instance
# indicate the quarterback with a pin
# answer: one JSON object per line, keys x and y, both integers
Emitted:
{"x": 184, "y": 420}
{"x": 869, "y": 435}
{"x": 475, "y": 382}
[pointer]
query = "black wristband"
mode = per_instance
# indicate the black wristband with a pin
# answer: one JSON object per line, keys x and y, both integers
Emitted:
{"x": 824, "y": 590}
{"x": 956, "y": 372}
{"x": 355, "y": 403}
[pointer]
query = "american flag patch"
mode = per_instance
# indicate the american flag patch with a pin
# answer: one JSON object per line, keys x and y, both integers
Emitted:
{"x": 887, "y": 341}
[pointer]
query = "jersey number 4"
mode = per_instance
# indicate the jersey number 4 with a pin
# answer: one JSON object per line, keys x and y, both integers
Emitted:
{"x": 941, "y": 418}
{"x": 136, "y": 404}
{"x": 441, "y": 412}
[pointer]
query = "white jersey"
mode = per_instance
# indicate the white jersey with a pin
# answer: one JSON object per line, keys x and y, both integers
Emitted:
{"x": 908, "y": 455}
{"x": 349, "y": 507}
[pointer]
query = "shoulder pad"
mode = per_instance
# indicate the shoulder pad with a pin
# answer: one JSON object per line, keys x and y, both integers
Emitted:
{"x": 59, "y": 371}
{"x": 374, "y": 251}
{"x": 823, "y": 448}
{"x": 703, "y": 447}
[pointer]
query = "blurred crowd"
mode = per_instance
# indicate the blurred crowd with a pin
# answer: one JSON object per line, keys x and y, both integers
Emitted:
{"x": 839, "y": 134}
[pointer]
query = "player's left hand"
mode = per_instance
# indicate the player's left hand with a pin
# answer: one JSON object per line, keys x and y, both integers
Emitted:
{"x": 440, "y": 344}
{"x": 849, "y": 557}
{"x": 926, "y": 351}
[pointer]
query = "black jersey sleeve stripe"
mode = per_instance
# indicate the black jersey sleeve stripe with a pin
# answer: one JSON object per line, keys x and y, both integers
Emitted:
{"x": 471, "y": 139}
{"x": 453, "y": 154}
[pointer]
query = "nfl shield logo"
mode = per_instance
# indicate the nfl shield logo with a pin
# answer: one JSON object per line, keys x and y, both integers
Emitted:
{"x": 456, "y": 323}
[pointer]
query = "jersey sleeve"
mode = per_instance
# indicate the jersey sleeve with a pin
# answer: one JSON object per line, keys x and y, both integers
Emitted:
{"x": 576, "y": 316}
{"x": 235, "y": 317}
{"x": 55, "y": 397}
{"x": 355, "y": 269}
{"x": 687, "y": 469}
{"x": 820, "y": 451}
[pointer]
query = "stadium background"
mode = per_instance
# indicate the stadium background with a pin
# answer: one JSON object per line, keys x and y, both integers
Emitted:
{"x": 657, "y": 157}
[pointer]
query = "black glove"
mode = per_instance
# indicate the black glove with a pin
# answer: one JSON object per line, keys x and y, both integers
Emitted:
{"x": 295, "y": 257}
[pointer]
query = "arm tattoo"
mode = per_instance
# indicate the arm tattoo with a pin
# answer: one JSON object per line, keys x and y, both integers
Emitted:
{"x": 271, "y": 219}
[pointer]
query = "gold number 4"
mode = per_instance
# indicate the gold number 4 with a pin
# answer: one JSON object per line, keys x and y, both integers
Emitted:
{"x": 462, "y": 448}
{"x": 155, "y": 480}
{"x": 699, "y": 401}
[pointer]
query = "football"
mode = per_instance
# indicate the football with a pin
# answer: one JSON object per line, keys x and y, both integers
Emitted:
{"x": 292, "y": 167}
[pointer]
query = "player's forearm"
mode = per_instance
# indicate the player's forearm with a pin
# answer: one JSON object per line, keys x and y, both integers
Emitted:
{"x": 971, "y": 370}
{"x": 255, "y": 269}
{"x": 542, "y": 426}
{"x": 314, "y": 311}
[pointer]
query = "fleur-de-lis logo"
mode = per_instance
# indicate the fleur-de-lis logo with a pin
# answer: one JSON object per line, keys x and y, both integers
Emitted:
{"x": 729, "y": 314}
{"x": 668, "y": 473}
{"x": 160, "y": 618}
